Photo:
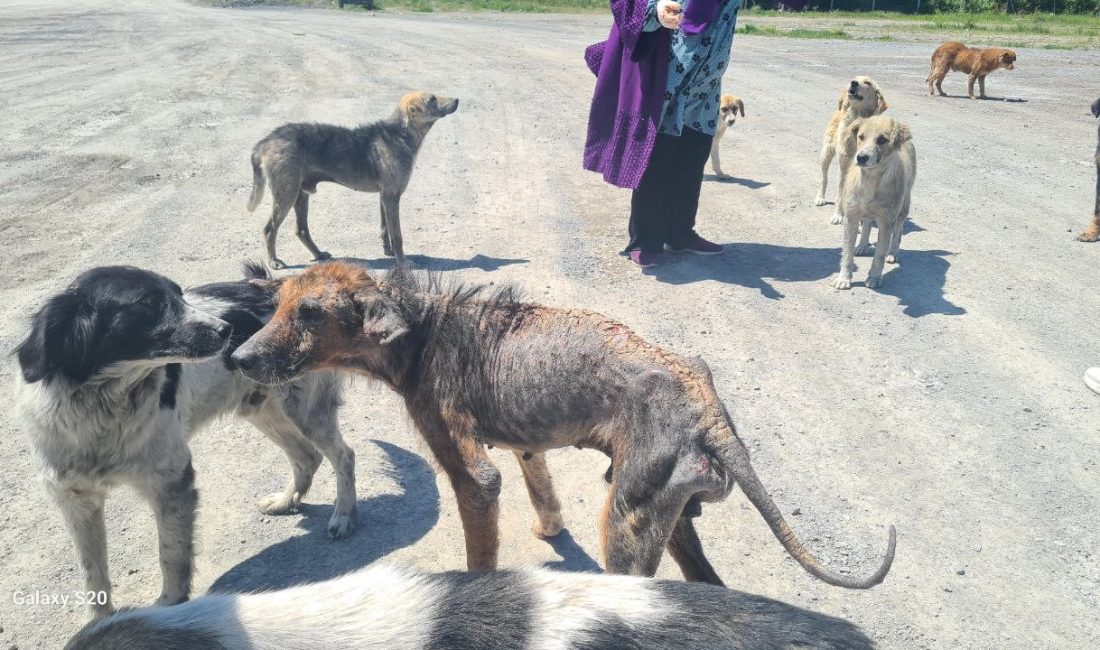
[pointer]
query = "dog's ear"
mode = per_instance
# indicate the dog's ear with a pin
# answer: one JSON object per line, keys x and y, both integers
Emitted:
{"x": 1096, "y": 108}
{"x": 880, "y": 102}
{"x": 899, "y": 134}
{"x": 850, "y": 135}
{"x": 382, "y": 319}
{"x": 741, "y": 106}
{"x": 59, "y": 341}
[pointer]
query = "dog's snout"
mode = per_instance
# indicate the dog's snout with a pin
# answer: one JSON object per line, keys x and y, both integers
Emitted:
{"x": 854, "y": 84}
{"x": 244, "y": 361}
{"x": 862, "y": 158}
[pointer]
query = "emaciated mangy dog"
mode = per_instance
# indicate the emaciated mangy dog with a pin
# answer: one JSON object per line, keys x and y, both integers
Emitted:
{"x": 375, "y": 157}
{"x": 1092, "y": 233}
{"x": 479, "y": 369}
{"x": 862, "y": 98}
{"x": 976, "y": 62}
{"x": 393, "y": 608}
{"x": 121, "y": 369}
{"x": 877, "y": 189}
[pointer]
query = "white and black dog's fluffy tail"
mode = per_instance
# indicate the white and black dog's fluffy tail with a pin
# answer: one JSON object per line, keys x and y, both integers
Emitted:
{"x": 401, "y": 609}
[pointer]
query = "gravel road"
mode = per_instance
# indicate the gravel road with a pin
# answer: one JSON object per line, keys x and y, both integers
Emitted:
{"x": 948, "y": 403}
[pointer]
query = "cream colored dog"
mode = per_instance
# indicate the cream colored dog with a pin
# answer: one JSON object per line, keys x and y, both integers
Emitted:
{"x": 862, "y": 98}
{"x": 876, "y": 188}
{"x": 728, "y": 108}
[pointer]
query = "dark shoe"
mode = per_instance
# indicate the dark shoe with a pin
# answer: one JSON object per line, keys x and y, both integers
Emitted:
{"x": 697, "y": 246}
{"x": 647, "y": 259}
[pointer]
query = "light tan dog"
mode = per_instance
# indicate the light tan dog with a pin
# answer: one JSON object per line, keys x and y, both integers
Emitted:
{"x": 977, "y": 62}
{"x": 877, "y": 188}
{"x": 862, "y": 98}
{"x": 728, "y": 108}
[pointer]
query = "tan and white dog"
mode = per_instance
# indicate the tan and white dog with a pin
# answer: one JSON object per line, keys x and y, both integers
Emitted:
{"x": 876, "y": 188}
{"x": 728, "y": 108}
{"x": 862, "y": 98}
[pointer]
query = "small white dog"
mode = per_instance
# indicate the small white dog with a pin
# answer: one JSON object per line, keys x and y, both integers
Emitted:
{"x": 728, "y": 108}
{"x": 877, "y": 188}
{"x": 862, "y": 98}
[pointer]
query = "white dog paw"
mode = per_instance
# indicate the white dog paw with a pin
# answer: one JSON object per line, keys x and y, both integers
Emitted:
{"x": 872, "y": 282}
{"x": 342, "y": 524}
{"x": 862, "y": 250}
{"x": 837, "y": 219}
{"x": 279, "y": 503}
{"x": 819, "y": 200}
{"x": 891, "y": 259}
{"x": 842, "y": 283}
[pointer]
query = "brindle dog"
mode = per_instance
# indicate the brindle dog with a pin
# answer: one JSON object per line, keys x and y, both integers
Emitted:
{"x": 1092, "y": 233}
{"x": 479, "y": 369}
{"x": 375, "y": 157}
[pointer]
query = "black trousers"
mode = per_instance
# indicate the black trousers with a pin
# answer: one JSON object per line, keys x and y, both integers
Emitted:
{"x": 662, "y": 209}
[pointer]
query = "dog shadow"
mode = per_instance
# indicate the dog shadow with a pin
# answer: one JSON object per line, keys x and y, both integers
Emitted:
{"x": 987, "y": 98}
{"x": 917, "y": 282}
{"x": 428, "y": 263}
{"x": 752, "y": 265}
{"x": 733, "y": 180}
{"x": 573, "y": 557}
{"x": 386, "y": 523}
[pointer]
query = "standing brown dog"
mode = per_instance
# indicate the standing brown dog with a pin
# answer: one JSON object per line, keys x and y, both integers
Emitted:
{"x": 1092, "y": 233}
{"x": 477, "y": 370}
{"x": 953, "y": 56}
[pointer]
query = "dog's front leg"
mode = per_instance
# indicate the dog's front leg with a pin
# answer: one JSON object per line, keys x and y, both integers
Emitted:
{"x": 874, "y": 276}
{"x": 847, "y": 265}
{"x": 715, "y": 159}
{"x": 981, "y": 86}
{"x": 83, "y": 514}
{"x": 864, "y": 245}
{"x": 391, "y": 212}
{"x": 540, "y": 489}
{"x": 970, "y": 86}
{"x": 173, "y": 497}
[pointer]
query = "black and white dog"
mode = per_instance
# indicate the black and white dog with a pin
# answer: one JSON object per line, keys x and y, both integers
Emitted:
{"x": 400, "y": 609}
{"x": 121, "y": 368}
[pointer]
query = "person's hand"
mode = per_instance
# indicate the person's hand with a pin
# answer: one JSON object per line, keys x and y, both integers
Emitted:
{"x": 669, "y": 13}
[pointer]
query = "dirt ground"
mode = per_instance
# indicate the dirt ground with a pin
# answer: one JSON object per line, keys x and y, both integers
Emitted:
{"x": 948, "y": 403}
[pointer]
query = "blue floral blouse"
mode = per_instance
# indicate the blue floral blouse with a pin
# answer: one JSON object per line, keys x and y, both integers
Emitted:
{"x": 695, "y": 68}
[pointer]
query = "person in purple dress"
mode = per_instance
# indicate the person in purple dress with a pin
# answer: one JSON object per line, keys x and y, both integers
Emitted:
{"x": 654, "y": 111}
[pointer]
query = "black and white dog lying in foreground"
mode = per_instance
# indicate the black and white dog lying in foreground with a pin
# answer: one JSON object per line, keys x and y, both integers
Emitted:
{"x": 392, "y": 608}
{"x": 121, "y": 368}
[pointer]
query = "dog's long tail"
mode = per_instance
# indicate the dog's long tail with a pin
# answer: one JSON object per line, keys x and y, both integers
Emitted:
{"x": 257, "y": 183}
{"x": 735, "y": 457}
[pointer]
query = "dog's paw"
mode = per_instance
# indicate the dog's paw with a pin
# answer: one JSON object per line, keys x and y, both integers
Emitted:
{"x": 723, "y": 175}
{"x": 842, "y": 283}
{"x": 342, "y": 524}
{"x": 322, "y": 256}
{"x": 1090, "y": 234}
{"x": 862, "y": 250}
{"x": 837, "y": 219}
{"x": 891, "y": 259}
{"x": 277, "y": 264}
{"x": 549, "y": 528}
{"x": 819, "y": 200}
{"x": 280, "y": 503}
{"x": 872, "y": 282}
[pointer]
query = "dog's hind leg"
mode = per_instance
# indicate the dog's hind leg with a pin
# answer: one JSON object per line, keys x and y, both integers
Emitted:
{"x": 174, "y": 498}
{"x": 826, "y": 159}
{"x": 844, "y": 163}
{"x": 83, "y": 514}
{"x": 874, "y": 275}
{"x": 540, "y": 488}
{"x": 970, "y": 86}
{"x": 391, "y": 215}
{"x": 981, "y": 86}
{"x": 387, "y": 250}
{"x": 895, "y": 236}
{"x": 304, "y": 458}
{"x": 301, "y": 217}
{"x": 282, "y": 200}
{"x": 716, "y": 160}
{"x": 847, "y": 265}
{"x": 864, "y": 245}
{"x": 687, "y": 550}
